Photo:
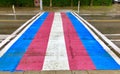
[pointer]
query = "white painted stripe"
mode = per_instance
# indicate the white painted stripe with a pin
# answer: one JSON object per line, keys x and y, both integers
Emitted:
{"x": 20, "y": 14}
{"x": 56, "y": 56}
{"x": 112, "y": 34}
{"x": 114, "y": 56}
{"x": 5, "y": 49}
{"x": 91, "y": 14}
{"x": 116, "y": 40}
{"x": 3, "y": 36}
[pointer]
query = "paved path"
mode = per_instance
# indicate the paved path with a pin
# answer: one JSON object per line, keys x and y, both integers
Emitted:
{"x": 66, "y": 72}
{"x": 56, "y": 41}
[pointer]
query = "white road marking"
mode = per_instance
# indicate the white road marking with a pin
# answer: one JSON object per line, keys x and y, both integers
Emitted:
{"x": 112, "y": 34}
{"x": 3, "y": 36}
{"x": 116, "y": 40}
{"x": 56, "y": 55}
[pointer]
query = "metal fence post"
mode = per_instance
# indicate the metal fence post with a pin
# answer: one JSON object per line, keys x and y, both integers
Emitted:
{"x": 41, "y": 6}
{"x": 79, "y": 6}
{"x": 14, "y": 12}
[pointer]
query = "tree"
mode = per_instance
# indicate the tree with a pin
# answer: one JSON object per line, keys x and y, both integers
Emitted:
{"x": 91, "y": 2}
{"x": 71, "y": 3}
{"x": 50, "y": 3}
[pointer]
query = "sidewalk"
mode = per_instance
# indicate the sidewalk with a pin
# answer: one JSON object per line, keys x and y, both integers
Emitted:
{"x": 66, "y": 72}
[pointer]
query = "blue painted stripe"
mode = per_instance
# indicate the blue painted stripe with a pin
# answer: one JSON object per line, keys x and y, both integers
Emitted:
{"x": 101, "y": 59}
{"x": 12, "y": 57}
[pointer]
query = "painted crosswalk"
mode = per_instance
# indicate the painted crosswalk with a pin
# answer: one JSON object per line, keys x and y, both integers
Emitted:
{"x": 77, "y": 54}
{"x": 56, "y": 50}
{"x": 34, "y": 56}
{"x": 56, "y": 41}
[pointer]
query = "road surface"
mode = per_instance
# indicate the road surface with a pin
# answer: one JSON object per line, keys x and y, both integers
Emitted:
{"x": 56, "y": 41}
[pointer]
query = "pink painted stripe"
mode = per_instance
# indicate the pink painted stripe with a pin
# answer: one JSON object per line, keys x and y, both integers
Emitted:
{"x": 77, "y": 54}
{"x": 34, "y": 57}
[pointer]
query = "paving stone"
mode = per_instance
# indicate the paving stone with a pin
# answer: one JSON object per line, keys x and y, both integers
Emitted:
{"x": 80, "y": 72}
{"x": 5, "y": 73}
{"x": 67, "y": 72}
{"x": 31, "y": 72}
{"x": 17, "y": 73}
{"x": 63, "y": 72}
{"x": 104, "y": 72}
{"x": 47, "y": 72}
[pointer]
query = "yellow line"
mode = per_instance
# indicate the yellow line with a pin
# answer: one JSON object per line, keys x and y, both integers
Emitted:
{"x": 103, "y": 20}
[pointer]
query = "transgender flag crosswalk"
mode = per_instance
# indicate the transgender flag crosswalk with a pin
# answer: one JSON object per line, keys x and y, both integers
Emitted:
{"x": 56, "y": 41}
